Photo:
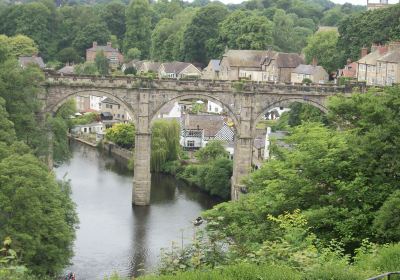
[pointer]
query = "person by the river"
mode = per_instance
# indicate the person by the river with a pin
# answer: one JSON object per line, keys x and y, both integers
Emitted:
{"x": 70, "y": 276}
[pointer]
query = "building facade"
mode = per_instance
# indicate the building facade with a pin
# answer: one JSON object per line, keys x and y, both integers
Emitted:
{"x": 114, "y": 57}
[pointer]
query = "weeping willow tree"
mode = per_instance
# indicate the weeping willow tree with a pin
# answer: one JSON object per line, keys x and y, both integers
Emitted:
{"x": 164, "y": 143}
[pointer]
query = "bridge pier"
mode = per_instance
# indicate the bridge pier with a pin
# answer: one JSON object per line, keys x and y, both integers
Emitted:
{"x": 142, "y": 175}
{"x": 241, "y": 165}
{"x": 141, "y": 170}
{"x": 243, "y": 150}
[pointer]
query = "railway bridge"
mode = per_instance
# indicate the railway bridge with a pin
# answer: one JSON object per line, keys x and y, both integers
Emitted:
{"x": 245, "y": 103}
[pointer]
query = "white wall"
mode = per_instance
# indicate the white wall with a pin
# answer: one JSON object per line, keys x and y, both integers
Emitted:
{"x": 95, "y": 102}
{"x": 213, "y": 107}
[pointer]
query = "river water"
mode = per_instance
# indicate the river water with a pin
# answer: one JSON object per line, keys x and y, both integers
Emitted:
{"x": 113, "y": 236}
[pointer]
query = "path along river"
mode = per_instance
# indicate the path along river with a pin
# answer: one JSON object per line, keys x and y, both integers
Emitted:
{"x": 113, "y": 236}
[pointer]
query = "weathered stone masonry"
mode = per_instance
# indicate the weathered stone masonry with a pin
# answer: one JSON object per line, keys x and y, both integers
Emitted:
{"x": 142, "y": 98}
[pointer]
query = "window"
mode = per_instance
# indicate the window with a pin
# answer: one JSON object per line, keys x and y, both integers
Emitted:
{"x": 216, "y": 109}
{"x": 190, "y": 143}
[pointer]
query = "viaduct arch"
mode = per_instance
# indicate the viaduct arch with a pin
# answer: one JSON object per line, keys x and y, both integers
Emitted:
{"x": 144, "y": 98}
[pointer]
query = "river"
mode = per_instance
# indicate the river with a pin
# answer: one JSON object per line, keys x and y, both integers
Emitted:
{"x": 113, "y": 236}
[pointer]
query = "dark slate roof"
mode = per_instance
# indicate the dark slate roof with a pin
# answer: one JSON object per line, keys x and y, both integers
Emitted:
{"x": 283, "y": 60}
{"x": 175, "y": 66}
{"x": 211, "y": 124}
{"x": 24, "y": 61}
{"x": 307, "y": 69}
{"x": 392, "y": 56}
{"x": 109, "y": 101}
{"x": 106, "y": 114}
{"x": 245, "y": 58}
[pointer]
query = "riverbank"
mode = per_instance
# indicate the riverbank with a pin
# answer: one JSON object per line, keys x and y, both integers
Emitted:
{"x": 113, "y": 235}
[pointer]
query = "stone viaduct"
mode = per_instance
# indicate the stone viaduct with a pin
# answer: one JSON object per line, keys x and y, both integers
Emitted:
{"x": 245, "y": 103}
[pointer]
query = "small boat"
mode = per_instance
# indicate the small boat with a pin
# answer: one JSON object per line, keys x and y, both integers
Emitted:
{"x": 198, "y": 221}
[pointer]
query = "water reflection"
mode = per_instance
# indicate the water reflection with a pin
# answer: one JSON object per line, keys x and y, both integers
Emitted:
{"x": 113, "y": 236}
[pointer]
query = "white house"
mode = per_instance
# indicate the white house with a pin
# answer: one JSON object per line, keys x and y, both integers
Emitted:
{"x": 170, "y": 111}
{"x": 213, "y": 107}
{"x": 95, "y": 102}
{"x": 198, "y": 129}
{"x": 88, "y": 128}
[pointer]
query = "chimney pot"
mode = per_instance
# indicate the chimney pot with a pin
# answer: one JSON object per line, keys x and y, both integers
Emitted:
{"x": 94, "y": 44}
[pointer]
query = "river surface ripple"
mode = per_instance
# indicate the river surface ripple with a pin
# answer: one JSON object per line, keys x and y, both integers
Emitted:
{"x": 113, "y": 236}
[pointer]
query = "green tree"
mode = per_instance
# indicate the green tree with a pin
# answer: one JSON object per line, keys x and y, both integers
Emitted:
{"x": 95, "y": 32}
{"x": 164, "y": 143}
{"x": 122, "y": 134}
{"x": 246, "y": 30}
{"x": 113, "y": 14}
{"x": 283, "y": 31}
{"x": 133, "y": 53}
{"x": 167, "y": 37}
{"x": 19, "y": 45}
{"x": 68, "y": 55}
{"x": 87, "y": 68}
{"x": 323, "y": 46}
{"x": 102, "y": 63}
{"x": 33, "y": 20}
{"x": 37, "y": 212}
{"x": 300, "y": 113}
{"x": 200, "y": 37}
{"x": 213, "y": 150}
{"x": 138, "y": 27}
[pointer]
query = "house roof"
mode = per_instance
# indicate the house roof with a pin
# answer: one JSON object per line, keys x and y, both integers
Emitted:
{"x": 211, "y": 124}
{"x": 308, "y": 69}
{"x": 372, "y": 57}
{"x": 67, "y": 69}
{"x": 152, "y": 66}
{"x": 245, "y": 58}
{"x": 175, "y": 66}
{"x": 106, "y": 114}
{"x": 283, "y": 60}
{"x": 393, "y": 56}
{"x": 109, "y": 101}
{"x": 24, "y": 61}
{"x": 106, "y": 48}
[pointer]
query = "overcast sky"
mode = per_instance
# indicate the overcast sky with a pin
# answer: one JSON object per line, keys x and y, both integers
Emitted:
{"x": 355, "y": 2}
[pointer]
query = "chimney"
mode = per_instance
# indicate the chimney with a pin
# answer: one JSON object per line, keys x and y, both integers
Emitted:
{"x": 348, "y": 61}
{"x": 314, "y": 61}
{"x": 187, "y": 122}
{"x": 94, "y": 44}
{"x": 364, "y": 52}
{"x": 109, "y": 44}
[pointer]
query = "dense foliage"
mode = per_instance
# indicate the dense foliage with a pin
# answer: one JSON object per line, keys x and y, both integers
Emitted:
{"x": 377, "y": 26}
{"x": 35, "y": 210}
{"x": 122, "y": 134}
{"x": 164, "y": 143}
{"x": 325, "y": 205}
{"x": 168, "y": 30}
{"x": 212, "y": 173}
